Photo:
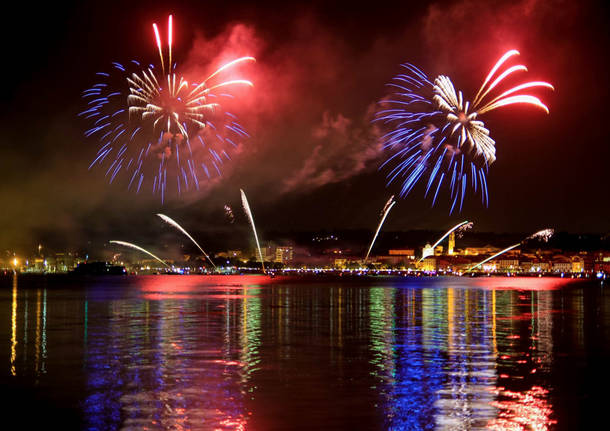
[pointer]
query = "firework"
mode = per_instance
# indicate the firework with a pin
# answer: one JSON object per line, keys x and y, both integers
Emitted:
{"x": 386, "y": 209}
{"x": 155, "y": 128}
{"x": 229, "y": 214}
{"x": 460, "y": 227}
{"x": 437, "y": 135}
{"x": 130, "y": 245}
{"x": 542, "y": 235}
{"x": 246, "y": 206}
{"x": 459, "y": 232}
{"x": 171, "y": 222}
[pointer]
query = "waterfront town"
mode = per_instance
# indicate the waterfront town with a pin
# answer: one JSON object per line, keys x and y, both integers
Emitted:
{"x": 446, "y": 258}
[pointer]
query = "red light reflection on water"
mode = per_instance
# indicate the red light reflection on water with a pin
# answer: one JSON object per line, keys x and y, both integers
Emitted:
{"x": 237, "y": 424}
{"x": 162, "y": 296}
{"x": 159, "y": 287}
{"x": 521, "y": 283}
{"x": 179, "y": 283}
{"x": 230, "y": 363}
{"x": 529, "y": 410}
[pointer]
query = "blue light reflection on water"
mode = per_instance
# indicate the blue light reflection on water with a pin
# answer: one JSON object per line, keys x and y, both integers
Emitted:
{"x": 435, "y": 357}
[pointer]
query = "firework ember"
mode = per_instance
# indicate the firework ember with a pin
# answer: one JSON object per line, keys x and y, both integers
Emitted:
{"x": 459, "y": 232}
{"x": 542, "y": 235}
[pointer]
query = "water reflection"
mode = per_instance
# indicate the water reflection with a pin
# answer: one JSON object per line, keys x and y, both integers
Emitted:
{"x": 14, "y": 327}
{"x": 245, "y": 353}
{"x": 20, "y": 315}
{"x": 440, "y": 355}
{"x": 162, "y": 363}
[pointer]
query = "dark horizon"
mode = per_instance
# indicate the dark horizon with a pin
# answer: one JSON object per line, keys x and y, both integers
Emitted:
{"x": 310, "y": 164}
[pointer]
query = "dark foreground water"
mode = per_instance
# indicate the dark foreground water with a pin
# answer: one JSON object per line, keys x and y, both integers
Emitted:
{"x": 253, "y": 353}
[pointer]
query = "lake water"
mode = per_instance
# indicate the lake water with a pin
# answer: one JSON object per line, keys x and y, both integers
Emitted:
{"x": 255, "y": 353}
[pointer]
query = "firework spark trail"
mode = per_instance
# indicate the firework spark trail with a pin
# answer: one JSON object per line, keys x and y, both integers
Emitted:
{"x": 386, "y": 209}
{"x": 542, "y": 235}
{"x": 460, "y": 227}
{"x": 152, "y": 124}
{"x": 130, "y": 245}
{"x": 173, "y": 223}
{"x": 246, "y": 206}
{"x": 494, "y": 256}
{"x": 437, "y": 134}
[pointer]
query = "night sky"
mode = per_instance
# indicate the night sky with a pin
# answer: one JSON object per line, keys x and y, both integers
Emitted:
{"x": 312, "y": 162}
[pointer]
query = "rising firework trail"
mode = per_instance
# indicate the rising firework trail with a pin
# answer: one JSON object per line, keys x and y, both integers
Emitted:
{"x": 246, "y": 206}
{"x": 437, "y": 136}
{"x": 173, "y": 223}
{"x": 543, "y": 235}
{"x": 154, "y": 127}
{"x": 458, "y": 227}
{"x": 386, "y": 209}
{"x": 130, "y": 245}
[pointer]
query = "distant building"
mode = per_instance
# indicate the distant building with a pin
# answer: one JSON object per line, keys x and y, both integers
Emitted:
{"x": 451, "y": 245}
{"x": 578, "y": 264}
{"x": 459, "y": 263}
{"x": 401, "y": 258}
{"x": 526, "y": 265}
{"x": 37, "y": 265}
{"x": 269, "y": 252}
{"x": 475, "y": 251}
{"x": 65, "y": 262}
{"x": 340, "y": 263}
{"x": 284, "y": 254}
{"x": 507, "y": 264}
{"x": 430, "y": 263}
{"x": 395, "y": 260}
{"x": 427, "y": 251}
{"x": 562, "y": 264}
{"x": 407, "y": 253}
{"x": 541, "y": 266}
